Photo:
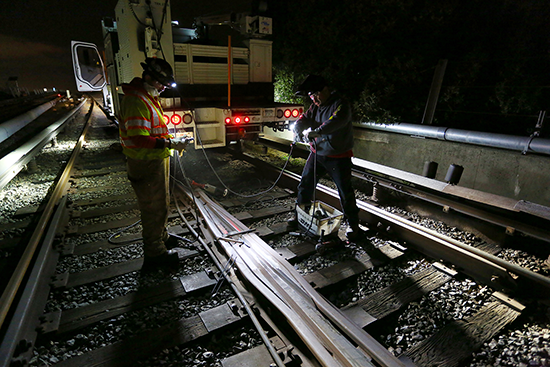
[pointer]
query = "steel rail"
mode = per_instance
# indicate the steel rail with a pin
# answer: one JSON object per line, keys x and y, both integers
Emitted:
{"x": 473, "y": 256}
{"x": 22, "y": 331}
{"x": 426, "y": 193}
{"x": 460, "y": 199}
{"x": 482, "y": 266}
{"x": 303, "y": 307}
{"x": 22, "y": 268}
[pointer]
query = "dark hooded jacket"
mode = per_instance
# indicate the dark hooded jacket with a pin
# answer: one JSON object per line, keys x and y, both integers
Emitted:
{"x": 332, "y": 120}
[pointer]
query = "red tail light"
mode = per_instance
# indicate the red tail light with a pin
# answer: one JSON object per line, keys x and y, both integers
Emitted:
{"x": 166, "y": 119}
{"x": 176, "y": 119}
{"x": 288, "y": 113}
{"x": 238, "y": 120}
{"x": 295, "y": 113}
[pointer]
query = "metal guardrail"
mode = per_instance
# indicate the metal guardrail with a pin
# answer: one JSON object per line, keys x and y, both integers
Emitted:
{"x": 10, "y": 127}
{"x": 524, "y": 144}
{"x": 13, "y": 163}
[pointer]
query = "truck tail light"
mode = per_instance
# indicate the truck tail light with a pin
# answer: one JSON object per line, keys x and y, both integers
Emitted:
{"x": 238, "y": 120}
{"x": 176, "y": 119}
{"x": 166, "y": 119}
{"x": 295, "y": 113}
{"x": 187, "y": 118}
{"x": 288, "y": 113}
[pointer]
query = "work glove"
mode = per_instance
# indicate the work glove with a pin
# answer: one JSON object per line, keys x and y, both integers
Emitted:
{"x": 309, "y": 134}
{"x": 298, "y": 138}
{"x": 180, "y": 144}
{"x": 298, "y": 129}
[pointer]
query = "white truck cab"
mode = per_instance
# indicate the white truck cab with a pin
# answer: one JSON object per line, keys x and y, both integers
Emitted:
{"x": 224, "y": 93}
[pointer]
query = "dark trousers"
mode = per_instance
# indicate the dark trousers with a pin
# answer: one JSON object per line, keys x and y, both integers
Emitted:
{"x": 339, "y": 170}
{"x": 149, "y": 178}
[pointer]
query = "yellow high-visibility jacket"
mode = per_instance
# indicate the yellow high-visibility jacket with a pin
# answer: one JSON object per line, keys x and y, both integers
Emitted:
{"x": 141, "y": 115}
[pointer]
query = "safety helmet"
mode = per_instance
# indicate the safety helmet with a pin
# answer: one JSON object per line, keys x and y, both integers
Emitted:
{"x": 312, "y": 84}
{"x": 160, "y": 70}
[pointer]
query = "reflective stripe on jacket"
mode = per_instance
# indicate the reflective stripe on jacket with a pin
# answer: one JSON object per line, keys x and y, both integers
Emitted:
{"x": 141, "y": 114}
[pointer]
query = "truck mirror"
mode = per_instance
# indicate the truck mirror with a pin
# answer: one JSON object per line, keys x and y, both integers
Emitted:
{"x": 88, "y": 67}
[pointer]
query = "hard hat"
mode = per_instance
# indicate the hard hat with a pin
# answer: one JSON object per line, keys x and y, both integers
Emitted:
{"x": 312, "y": 84}
{"x": 160, "y": 70}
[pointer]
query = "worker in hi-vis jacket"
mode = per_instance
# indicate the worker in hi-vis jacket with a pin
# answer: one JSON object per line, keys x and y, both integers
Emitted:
{"x": 146, "y": 143}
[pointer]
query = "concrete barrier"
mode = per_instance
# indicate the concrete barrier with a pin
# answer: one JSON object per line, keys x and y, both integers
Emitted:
{"x": 494, "y": 170}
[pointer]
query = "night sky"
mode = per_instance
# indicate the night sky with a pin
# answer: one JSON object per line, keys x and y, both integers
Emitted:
{"x": 35, "y": 35}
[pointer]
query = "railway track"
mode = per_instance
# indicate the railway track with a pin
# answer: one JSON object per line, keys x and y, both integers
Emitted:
{"x": 247, "y": 291}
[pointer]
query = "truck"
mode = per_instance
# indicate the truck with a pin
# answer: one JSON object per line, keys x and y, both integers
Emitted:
{"x": 224, "y": 92}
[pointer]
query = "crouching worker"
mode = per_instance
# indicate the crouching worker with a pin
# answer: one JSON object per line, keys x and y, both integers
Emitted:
{"x": 146, "y": 143}
{"x": 327, "y": 126}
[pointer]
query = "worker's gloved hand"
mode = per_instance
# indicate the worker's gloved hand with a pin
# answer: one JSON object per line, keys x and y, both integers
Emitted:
{"x": 299, "y": 138}
{"x": 311, "y": 134}
{"x": 298, "y": 130}
{"x": 179, "y": 144}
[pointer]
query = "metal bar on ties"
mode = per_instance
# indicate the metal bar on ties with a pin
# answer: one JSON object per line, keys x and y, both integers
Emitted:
{"x": 306, "y": 315}
{"x": 214, "y": 223}
{"x": 249, "y": 311}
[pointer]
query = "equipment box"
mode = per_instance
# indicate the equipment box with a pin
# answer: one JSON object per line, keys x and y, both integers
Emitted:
{"x": 320, "y": 220}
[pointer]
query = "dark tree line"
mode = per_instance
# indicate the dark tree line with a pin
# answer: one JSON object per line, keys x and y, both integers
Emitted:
{"x": 382, "y": 54}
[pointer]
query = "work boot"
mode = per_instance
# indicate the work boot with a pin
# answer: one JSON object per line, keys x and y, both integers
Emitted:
{"x": 354, "y": 233}
{"x": 292, "y": 222}
{"x": 171, "y": 242}
{"x": 169, "y": 259}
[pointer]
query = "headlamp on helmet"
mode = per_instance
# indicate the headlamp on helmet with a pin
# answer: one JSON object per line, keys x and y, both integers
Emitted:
{"x": 159, "y": 70}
